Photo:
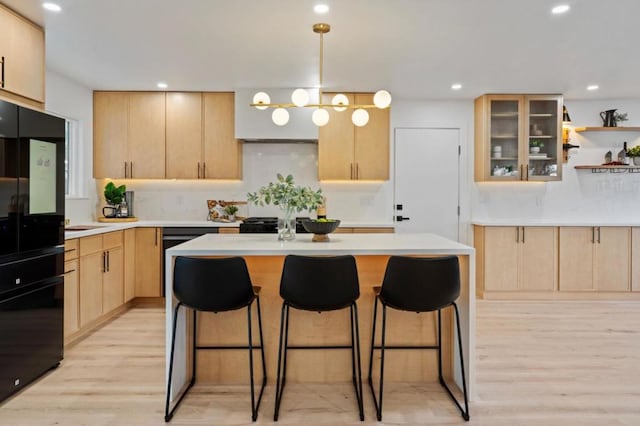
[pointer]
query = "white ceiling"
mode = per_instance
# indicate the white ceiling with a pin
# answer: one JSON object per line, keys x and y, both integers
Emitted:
{"x": 413, "y": 48}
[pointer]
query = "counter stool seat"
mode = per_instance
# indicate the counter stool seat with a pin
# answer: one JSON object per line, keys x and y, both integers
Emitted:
{"x": 319, "y": 284}
{"x": 417, "y": 285}
{"x": 215, "y": 285}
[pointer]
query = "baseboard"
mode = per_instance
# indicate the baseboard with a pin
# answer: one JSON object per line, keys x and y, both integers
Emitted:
{"x": 560, "y": 295}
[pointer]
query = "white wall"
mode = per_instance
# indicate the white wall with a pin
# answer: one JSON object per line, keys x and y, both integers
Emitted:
{"x": 581, "y": 195}
{"x": 69, "y": 99}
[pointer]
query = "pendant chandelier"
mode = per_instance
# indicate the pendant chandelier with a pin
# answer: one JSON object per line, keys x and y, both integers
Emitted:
{"x": 320, "y": 117}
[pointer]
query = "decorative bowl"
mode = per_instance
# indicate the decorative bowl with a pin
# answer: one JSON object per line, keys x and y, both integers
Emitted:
{"x": 320, "y": 229}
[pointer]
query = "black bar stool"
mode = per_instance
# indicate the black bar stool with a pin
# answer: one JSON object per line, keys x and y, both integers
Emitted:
{"x": 319, "y": 284}
{"x": 418, "y": 285}
{"x": 215, "y": 285}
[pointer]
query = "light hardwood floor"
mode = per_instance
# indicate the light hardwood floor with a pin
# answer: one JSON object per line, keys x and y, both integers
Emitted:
{"x": 539, "y": 363}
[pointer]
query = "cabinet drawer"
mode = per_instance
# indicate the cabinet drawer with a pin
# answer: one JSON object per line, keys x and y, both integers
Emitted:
{"x": 90, "y": 245}
{"x": 112, "y": 239}
{"x": 70, "y": 249}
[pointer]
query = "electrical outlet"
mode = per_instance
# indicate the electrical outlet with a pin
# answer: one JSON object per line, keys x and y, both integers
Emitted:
{"x": 67, "y": 222}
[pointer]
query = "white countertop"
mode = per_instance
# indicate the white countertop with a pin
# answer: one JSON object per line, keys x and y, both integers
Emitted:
{"x": 554, "y": 222}
{"x": 356, "y": 244}
{"x": 110, "y": 227}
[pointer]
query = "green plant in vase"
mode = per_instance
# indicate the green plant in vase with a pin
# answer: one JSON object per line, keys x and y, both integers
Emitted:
{"x": 291, "y": 198}
{"x": 634, "y": 152}
{"x": 535, "y": 145}
{"x": 231, "y": 211}
{"x": 113, "y": 195}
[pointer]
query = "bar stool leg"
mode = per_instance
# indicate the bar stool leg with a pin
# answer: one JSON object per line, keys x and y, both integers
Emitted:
{"x": 464, "y": 412}
{"x": 194, "y": 338}
{"x": 355, "y": 351}
{"x": 279, "y": 385}
{"x": 254, "y": 412}
{"x": 264, "y": 365}
{"x": 168, "y": 414}
{"x": 384, "y": 329}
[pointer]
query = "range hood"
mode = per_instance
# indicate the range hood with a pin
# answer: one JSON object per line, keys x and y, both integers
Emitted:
{"x": 255, "y": 126}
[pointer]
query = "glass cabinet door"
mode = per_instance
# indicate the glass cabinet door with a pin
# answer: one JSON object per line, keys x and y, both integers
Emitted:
{"x": 544, "y": 150}
{"x": 504, "y": 132}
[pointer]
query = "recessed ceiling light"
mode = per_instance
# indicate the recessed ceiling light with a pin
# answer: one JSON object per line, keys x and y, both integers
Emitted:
{"x": 162, "y": 85}
{"x": 321, "y": 9}
{"x": 593, "y": 87}
{"x": 52, "y": 7}
{"x": 560, "y": 9}
{"x": 456, "y": 86}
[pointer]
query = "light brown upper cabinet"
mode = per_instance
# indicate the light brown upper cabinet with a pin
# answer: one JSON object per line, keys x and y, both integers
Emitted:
{"x": 184, "y": 136}
{"x": 222, "y": 152}
{"x": 518, "y": 138}
{"x": 348, "y": 152}
{"x": 129, "y": 135}
{"x": 22, "y": 50}
{"x": 595, "y": 258}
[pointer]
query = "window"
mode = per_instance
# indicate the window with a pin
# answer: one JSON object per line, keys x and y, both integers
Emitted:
{"x": 73, "y": 185}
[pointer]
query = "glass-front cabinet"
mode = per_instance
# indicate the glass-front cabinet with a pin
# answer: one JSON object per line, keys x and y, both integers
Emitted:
{"x": 518, "y": 138}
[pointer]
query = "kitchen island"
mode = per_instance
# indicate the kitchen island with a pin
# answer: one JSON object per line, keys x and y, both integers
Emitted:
{"x": 265, "y": 256}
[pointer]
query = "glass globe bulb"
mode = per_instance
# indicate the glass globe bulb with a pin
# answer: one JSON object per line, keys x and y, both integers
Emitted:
{"x": 320, "y": 117}
{"x": 300, "y": 97}
{"x": 340, "y": 99}
{"x": 382, "y": 99}
{"x": 261, "y": 98}
{"x": 360, "y": 117}
{"x": 280, "y": 116}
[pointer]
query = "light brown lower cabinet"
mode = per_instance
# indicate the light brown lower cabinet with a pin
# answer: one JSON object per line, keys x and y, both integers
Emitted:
{"x": 71, "y": 297}
{"x": 595, "y": 258}
{"x": 113, "y": 280}
{"x": 148, "y": 267}
{"x": 517, "y": 258}
{"x": 635, "y": 259}
{"x": 129, "y": 264}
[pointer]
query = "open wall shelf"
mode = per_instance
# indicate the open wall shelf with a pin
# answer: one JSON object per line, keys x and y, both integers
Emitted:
{"x": 609, "y": 169}
{"x": 606, "y": 129}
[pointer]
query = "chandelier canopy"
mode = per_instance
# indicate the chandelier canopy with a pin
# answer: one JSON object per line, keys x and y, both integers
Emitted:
{"x": 300, "y": 98}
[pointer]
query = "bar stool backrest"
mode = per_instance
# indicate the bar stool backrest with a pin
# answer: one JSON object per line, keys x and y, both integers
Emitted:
{"x": 213, "y": 285}
{"x": 319, "y": 283}
{"x": 421, "y": 284}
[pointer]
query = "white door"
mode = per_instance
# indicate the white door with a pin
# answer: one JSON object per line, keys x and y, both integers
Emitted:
{"x": 427, "y": 180}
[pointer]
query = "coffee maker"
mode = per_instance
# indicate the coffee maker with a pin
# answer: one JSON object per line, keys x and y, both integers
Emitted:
{"x": 128, "y": 198}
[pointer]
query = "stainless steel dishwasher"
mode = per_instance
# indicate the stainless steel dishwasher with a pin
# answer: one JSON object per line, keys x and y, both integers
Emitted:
{"x": 173, "y": 236}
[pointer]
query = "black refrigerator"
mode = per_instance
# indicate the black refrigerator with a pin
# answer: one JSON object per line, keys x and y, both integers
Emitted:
{"x": 32, "y": 156}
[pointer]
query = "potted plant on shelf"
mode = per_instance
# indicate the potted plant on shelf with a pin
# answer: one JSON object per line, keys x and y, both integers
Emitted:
{"x": 535, "y": 145}
{"x": 634, "y": 152}
{"x": 113, "y": 195}
{"x": 290, "y": 198}
{"x": 231, "y": 211}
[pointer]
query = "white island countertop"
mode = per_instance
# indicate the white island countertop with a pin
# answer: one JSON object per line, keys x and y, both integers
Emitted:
{"x": 355, "y": 244}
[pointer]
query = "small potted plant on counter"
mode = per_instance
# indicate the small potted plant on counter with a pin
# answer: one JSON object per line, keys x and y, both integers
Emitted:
{"x": 113, "y": 195}
{"x": 634, "y": 152}
{"x": 231, "y": 211}
{"x": 535, "y": 145}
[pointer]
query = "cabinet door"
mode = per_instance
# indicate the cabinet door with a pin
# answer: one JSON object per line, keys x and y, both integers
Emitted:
{"x": 635, "y": 259}
{"x": 110, "y": 134}
{"x": 222, "y": 151}
{"x": 498, "y": 134}
{"x": 336, "y": 144}
{"x": 147, "y": 135}
{"x": 24, "y": 57}
{"x": 91, "y": 271}
{"x": 538, "y": 263}
{"x": 576, "y": 257}
{"x": 501, "y": 258}
{"x": 71, "y": 297}
{"x": 543, "y": 129}
{"x": 129, "y": 264}
{"x": 613, "y": 250}
{"x": 113, "y": 280}
{"x": 372, "y": 142}
{"x": 184, "y": 135}
{"x": 148, "y": 264}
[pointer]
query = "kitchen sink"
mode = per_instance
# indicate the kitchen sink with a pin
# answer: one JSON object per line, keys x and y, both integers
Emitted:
{"x": 82, "y": 227}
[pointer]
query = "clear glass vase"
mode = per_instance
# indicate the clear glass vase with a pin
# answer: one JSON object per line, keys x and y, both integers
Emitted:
{"x": 287, "y": 226}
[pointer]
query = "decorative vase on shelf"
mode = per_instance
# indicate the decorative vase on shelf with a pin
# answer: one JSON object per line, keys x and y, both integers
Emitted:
{"x": 534, "y": 150}
{"x": 636, "y": 161}
{"x": 287, "y": 225}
